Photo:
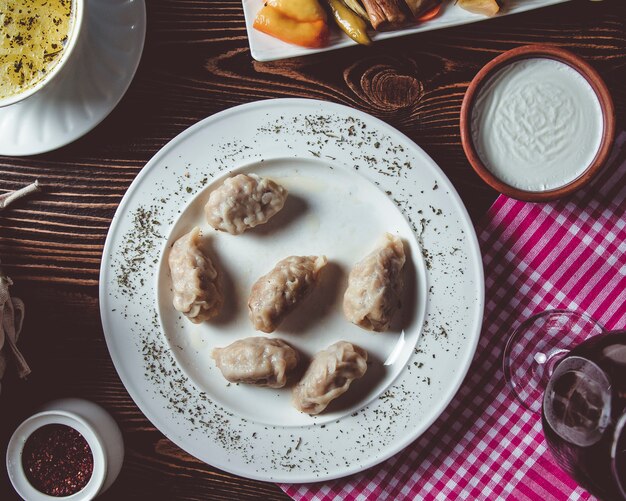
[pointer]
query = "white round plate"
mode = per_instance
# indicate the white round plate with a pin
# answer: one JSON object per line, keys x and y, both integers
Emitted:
{"x": 330, "y": 210}
{"x": 87, "y": 89}
{"x": 351, "y": 177}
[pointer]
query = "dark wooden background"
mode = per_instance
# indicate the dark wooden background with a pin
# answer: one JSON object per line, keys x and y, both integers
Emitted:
{"x": 197, "y": 62}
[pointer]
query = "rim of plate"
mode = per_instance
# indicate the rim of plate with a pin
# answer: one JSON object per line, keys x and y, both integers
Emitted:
{"x": 465, "y": 359}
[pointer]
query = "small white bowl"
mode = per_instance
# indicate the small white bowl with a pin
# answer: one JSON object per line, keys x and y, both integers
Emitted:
{"x": 68, "y": 50}
{"x": 94, "y": 424}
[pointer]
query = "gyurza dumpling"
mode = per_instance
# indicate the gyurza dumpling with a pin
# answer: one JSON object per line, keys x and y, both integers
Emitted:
{"x": 329, "y": 376}
{"x": 243, "y": 202}
{"x": 195, "y": 281}
{"x": 277, "y": 293}
{"x": 375, "y": 285}
{"x": 257, "y": 360}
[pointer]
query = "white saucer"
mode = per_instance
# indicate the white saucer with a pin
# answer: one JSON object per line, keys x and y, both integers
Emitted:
{"x": 89, "y": 87}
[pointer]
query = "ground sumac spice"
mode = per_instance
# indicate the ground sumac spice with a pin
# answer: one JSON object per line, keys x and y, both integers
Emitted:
{"x": 57, "y": 460}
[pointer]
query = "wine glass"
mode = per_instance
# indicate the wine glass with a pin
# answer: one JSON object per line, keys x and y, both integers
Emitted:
{"x": 565, "y": 364}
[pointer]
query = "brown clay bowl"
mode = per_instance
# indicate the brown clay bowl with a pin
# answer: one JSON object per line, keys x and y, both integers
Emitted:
{"x": 575, "y": 62}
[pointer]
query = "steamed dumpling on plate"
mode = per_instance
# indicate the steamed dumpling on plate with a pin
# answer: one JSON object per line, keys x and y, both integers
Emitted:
{"x": 243, "y": 202}
{"x": 329, "y": 376}
{"x": 257, "y": 360}
{"x": 375, "y": 285}
{"x": 195, "y": 284}
{"x": 277, "y": 293}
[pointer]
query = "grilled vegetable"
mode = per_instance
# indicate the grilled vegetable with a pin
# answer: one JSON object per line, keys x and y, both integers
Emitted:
{"x": 273, "y": 22}
{"x": 305, "y": 11}
{"x": 353, "y": 25}
{"x": 419, "y": 7}
{"x": 385, "y": 12}
{"x": 357, "y": 7}
{"x": 484, "y": 7}
{"x": 430, "y": 14}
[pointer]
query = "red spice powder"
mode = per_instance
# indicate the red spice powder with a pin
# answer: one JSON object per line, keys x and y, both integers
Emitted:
{"x": 57, "y": 460}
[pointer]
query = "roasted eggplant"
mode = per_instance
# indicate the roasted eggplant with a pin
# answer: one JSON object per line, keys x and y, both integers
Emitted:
{"x": 386, "y": 13}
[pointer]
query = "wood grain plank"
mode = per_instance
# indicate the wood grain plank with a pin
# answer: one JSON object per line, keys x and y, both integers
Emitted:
{"x": 197, "y": 62}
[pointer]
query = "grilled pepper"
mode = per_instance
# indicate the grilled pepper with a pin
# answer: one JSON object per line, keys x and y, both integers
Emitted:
{"x": 353, "y": 25}
{"x": 276, "y": 23}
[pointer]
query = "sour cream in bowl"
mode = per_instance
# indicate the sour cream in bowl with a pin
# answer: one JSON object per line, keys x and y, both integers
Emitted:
{"x": 537, "y": 123}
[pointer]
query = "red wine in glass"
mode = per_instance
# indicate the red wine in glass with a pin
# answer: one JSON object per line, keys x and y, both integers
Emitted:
{"x": 564, "y": 364}
{"x": 584, "y": 413}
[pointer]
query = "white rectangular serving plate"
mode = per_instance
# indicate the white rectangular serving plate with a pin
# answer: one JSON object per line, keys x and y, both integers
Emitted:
{"x": 266, "y": 48}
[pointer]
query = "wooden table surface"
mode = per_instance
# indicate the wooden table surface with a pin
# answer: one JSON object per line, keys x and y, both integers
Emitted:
{"x": 197, "y": 62}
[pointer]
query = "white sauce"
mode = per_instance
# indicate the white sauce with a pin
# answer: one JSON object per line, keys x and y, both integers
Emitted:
{"x": 537, "y": 124}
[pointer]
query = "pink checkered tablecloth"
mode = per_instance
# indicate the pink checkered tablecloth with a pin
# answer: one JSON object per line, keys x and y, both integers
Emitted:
{"x": 565, "y": 254}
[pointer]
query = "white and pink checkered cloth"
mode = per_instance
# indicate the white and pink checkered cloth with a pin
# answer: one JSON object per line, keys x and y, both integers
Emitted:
{"x": 565, "y": 254}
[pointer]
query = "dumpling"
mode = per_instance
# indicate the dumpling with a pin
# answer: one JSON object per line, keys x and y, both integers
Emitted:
{"x": 375, "y": 285}
{"x": 257, "y": 360}
{"x": 243, "y": 202}
{"x": 329, "y": 376}
{"x": 195, "y": 282}
{"x": 277, "y": 293}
